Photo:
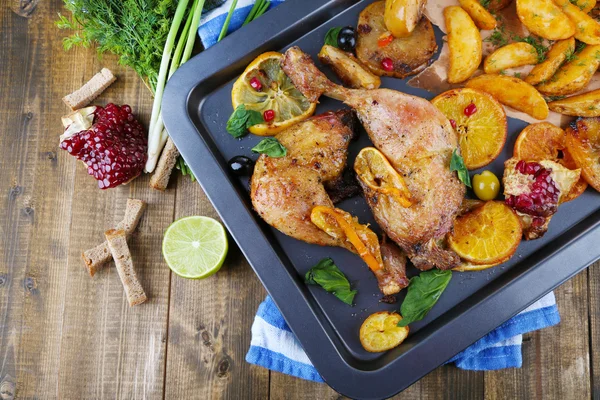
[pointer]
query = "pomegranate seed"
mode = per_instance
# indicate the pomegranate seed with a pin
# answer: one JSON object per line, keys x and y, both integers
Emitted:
{"x": 256, "y": 85}
{"x": 532, "y": 168}
{"x": 269, "y": 115}
{"x": 453, "y": 123}
{"x": 521, "y": 166}
{"x": 114, "y": 148}
{"x": 387, "y": 64}
{"x": 470, "y": 109}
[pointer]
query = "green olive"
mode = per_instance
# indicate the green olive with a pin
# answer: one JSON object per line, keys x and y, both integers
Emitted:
{"x": 486, "y": 185}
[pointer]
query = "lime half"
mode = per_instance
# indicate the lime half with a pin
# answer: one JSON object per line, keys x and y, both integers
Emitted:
{"x": 195, "y": 247}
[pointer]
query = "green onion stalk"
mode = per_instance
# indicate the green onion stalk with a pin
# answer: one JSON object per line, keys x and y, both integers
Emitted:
{"x": 157, "y": 134}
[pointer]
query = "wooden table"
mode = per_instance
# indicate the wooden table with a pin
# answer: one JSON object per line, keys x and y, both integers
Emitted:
{"x": 64, "y": 335}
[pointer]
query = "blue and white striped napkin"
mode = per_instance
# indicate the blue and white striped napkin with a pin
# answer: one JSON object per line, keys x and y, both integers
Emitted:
{"x": 275, "y": 347}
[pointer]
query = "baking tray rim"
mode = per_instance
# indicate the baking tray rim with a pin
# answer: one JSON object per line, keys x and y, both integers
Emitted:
{"x": 183, "y": 96}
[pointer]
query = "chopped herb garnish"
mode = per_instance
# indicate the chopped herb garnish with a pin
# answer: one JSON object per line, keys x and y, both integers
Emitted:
{"x": 485, "y": 3}
{"x": 554, "y": 98}
{"x": 497, "y": 38}
{"x": 537, "y": 45}
{"x": 331, "y": 38}
{"x": 517, "y": 75}
{"x": 241, "y": 120}
{"x": 580, "y": 46}
{"x": 458, "y": 164}
{"x": 327, "y": 275}
{"x": 423, "y": 292}
{"x": 570, "y": 56}
{"x": 271, "y": 147}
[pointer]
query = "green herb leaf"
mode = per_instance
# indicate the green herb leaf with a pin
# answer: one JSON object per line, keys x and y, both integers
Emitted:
{"x": 537, "y": 44}
{"x": 271, "y": 147}
{"x": 241, "y": 120}
{"x": 327, "y": 275}
{"x": 423, "y": 292}
{"x": 497, "y": 38}
{"x": 458, "y": 164}
{"x": 331, "y": 38}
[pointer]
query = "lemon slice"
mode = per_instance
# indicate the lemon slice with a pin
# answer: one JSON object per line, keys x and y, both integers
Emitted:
{"x": 487, "y": 235}
{"x": 380, "y": 332}
{"x": 195, "y": 247}
{"x": 272, "y": 90}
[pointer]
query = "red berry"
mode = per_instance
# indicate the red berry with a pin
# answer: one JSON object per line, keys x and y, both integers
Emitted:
{"x": 470, "y": 109}
{"x": 256, "y": 85}
{"x": 387, "y": 64}
{"x": 114, "y": 148}
{"x": 453, "y": 123}
{"x": 269, "y": 115}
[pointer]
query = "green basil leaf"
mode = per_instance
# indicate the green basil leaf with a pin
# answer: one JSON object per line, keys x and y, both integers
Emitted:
{"x": 331, "y": 38}
{"x": 457, "y": 164}
{"x": 327, "y": 275}
{"x": 271, "y": 147}
{"x": 423, "y": 292}
{"x": 241, "y": 120}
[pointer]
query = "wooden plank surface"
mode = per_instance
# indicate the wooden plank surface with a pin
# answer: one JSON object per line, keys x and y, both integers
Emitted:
{"x": 64, "y": 335}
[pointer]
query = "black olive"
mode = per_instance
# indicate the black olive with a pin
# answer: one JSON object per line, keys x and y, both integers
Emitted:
{"x": 241, "y": 165}
{"x": 347, "y": 39}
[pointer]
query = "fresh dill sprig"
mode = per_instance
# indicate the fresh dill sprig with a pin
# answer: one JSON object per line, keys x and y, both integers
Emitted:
{"x": 497, "y": 38}
{"x": 134, "y": 30}
{"x": 554, "y": 98}
{"x": 537, "y": 44}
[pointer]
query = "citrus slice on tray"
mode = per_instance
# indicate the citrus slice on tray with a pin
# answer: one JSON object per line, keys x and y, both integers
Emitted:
{"x": 545, "y": 141}
{"x": 195, "y": 247}
{"x": 265, "y": 88}
{"x": 487, "y": 235}
{"x": 480, "y": 122}
{"x": 380, "y": 332}
{"x": 583, "y": 145}
{"x": 376, "y": 172}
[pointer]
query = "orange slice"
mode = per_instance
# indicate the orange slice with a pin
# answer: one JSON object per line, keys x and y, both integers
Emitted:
{"x": 480, "y": 122}
{"x": 380, "y": 332}
{"x": 583, "y": 145}
{"x": 487, "y": 235}
{"x": 359, "y": 238}
{"x": 466, "y": 266}
{"x": 276, "y": 92}
{"x": 375, "y": 171}
{"x": 545, "y": 141}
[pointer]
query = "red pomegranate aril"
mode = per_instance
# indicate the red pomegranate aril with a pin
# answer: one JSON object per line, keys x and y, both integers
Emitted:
{"x": 520, "y": 166}
{"x": 453, "y": 123}
{"x": 537, "y": 221}
{"x": 387, "y": 64}
{"x": 470, "y": 109}
{"x": 256, "y": 85}
{"x": 114, "y": 148}
{"x": 269, "y": 115}
{"x": 532, "y": 168}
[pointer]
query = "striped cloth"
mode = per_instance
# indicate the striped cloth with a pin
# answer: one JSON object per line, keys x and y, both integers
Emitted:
{"x": 275, "y": 347}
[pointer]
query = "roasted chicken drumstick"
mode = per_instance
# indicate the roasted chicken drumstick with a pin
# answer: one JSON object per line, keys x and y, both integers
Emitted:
{"x": 285, "y": 191}
{"x": 418, "y": 141}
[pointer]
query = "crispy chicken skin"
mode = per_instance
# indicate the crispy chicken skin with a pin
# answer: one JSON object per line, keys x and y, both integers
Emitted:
{"x": 418, "y": 141}
{"x": 285, "y": 190}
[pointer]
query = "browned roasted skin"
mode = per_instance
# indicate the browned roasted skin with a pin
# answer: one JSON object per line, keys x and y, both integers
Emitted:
{"x": 285, "y": 190}
{"x": 418, "y": 141}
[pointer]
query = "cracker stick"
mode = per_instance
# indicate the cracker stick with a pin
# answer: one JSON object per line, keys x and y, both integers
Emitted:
{"x": 168, "y": 158}
{"x": 117, "y": 243}
{"x": 96, "y": 257}
{"x": 90, "y": 90}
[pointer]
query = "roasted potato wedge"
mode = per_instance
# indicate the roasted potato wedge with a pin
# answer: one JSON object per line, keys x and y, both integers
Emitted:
{"x": 544, "y": 18}
{"x": 512, "y": 92}
{"x": 482, "y": 17}
{"x": 554, "y": 59}
{"x": 574, "y": 75}
{"x": 348, "y": 68}
{"x": 587, "y": 29}
{"x": 510, "y": 56}
{"x": 583, "y": 105}
{"x": 464, "y": 42}
{"x": 410, "y": 55}
{"x": 402, "y": 16}
{"x": 583, "y": 143}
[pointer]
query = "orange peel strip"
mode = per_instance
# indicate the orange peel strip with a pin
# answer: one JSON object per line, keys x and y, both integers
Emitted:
{"x": 350, "y": 233}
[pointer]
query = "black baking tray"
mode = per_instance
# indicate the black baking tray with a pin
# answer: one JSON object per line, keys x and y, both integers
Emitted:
{"x": 196, "y": 107}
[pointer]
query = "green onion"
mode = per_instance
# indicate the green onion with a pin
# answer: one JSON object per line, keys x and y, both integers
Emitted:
{"x": 255, "y": 8}
{"x": 227, "y": 20}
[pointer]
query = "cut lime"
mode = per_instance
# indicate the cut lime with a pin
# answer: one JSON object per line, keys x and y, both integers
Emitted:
{"x": 195, "y": 247}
